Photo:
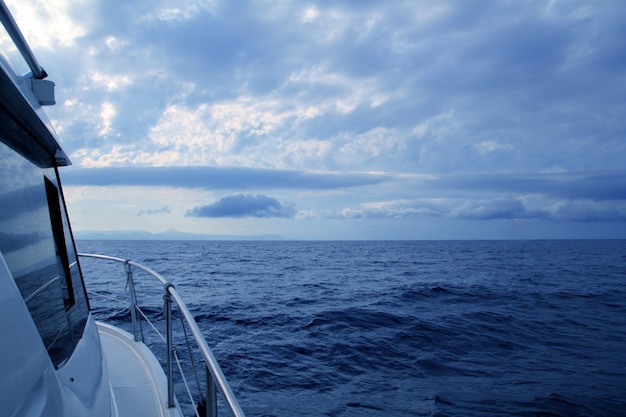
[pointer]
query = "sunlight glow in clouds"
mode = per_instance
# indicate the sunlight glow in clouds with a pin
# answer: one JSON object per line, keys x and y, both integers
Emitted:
{"x": 310, "y": 14}
{"x": 106, "y": 114}
{"x": 110, "y": 82}
{"x": 480, "y": 118}
{"x": 48, "y": 24}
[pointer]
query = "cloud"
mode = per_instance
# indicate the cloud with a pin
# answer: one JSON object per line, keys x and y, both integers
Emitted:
{"x": 244, "y": 205}
{"x": 62, "y": 28}
{"x": 587, "y": 211}
{"x": 218, "y": 178}
{"x": 405, "y": 112}
{"x": 562, "y": 210}
{"x": 601, "y": 185}
{"x": 411, "y": 87}
{"x": 499, "y": 208}
{"x": 556, "y": 196}
{"x": 164, "y": 209}
{"x": 396, "y": 209}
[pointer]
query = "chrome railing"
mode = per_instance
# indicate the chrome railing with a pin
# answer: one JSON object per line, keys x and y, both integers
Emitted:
{"x": 215, "y": 376}
{"x": 20, "y": 43}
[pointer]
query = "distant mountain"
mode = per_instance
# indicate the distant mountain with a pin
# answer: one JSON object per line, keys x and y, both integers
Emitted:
{"x": 167, "y": 235}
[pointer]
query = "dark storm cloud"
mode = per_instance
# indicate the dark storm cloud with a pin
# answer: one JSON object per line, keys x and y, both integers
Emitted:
{"x": 244, "y": 205}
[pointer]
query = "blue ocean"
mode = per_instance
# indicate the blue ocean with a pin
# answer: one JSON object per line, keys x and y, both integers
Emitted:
{"x": 398, "y": 328}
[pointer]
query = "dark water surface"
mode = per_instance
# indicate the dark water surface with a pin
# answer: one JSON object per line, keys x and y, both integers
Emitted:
{"x": 420, "y": 328}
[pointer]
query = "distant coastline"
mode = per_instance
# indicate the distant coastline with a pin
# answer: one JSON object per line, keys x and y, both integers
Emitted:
{"x": 178, "y": 235}
{"x": 166, "y": 235}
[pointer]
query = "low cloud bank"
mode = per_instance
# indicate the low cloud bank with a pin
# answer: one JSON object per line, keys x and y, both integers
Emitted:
{"x": 218, "y": 178}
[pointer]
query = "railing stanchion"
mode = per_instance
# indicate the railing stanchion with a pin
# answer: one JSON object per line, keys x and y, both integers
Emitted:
{"x": 211, "y": 395}
{"x": 170, "y": 361}
{"x": 130, "y": 283}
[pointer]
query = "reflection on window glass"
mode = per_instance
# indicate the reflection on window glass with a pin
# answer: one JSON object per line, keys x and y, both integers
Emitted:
{"x": 37, "y": 247}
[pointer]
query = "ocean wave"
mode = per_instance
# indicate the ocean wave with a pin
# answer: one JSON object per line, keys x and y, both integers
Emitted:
{"x": 402, "y": 328}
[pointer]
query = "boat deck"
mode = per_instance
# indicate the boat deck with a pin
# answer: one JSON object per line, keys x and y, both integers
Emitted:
{"x": 138, "y": 384}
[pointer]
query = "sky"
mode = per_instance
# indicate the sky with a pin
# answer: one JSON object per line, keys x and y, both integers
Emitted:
{"x": 447, "y": 119}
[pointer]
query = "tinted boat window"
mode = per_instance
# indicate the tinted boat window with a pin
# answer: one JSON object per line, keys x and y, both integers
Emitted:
{"x": 74, "y": 293}
{"x": 37, "y": 246}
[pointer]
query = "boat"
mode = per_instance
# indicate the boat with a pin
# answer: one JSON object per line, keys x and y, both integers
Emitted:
{"x": 56, "y": 358}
